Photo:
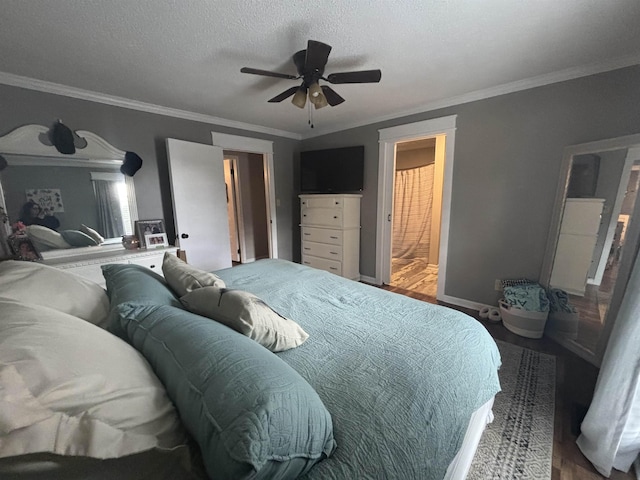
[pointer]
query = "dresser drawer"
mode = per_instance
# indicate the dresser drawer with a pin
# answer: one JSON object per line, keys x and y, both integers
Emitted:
{"x": 154, "y": 263}
{"x": 327, "y": 217}
{"x": 323, "y": 201}
{"x": 322, "y": 235}
{"x": 322, "y": 264}
{"x": 323, "y": 250}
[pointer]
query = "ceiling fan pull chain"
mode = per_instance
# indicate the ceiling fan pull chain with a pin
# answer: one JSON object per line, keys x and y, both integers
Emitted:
{"x": 310, "y": 114}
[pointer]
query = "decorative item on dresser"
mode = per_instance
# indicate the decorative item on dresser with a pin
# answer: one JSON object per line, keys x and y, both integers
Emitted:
{"x": 331, "y": 233}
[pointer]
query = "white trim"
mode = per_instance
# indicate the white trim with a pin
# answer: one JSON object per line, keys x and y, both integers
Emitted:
{"x": 633, "y": 154}
{"x": 461, "y": 302}
{"x": 386, "y": 165}
{"x": 264, "y": 147}
{"x": 517, "y": 86}
{"x": 107, "y": 176}
{"x": 115, "y": 101}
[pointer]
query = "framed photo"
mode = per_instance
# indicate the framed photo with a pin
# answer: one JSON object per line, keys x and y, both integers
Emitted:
{"x": 156, "y": 240}
{"x": 23, "y": 249}
{"x": 148, "y": 227}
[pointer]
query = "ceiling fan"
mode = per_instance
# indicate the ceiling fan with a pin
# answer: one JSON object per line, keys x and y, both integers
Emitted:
{"x": 310, "y": 64}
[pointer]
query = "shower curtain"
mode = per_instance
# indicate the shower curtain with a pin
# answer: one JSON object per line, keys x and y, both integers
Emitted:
{"x": 413, "y": 201}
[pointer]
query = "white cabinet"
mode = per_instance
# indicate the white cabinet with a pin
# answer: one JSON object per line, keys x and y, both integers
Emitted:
{"x": 331, "y": 233}
{"x": 86, "y": 262}
{"x": 576, "y": 244}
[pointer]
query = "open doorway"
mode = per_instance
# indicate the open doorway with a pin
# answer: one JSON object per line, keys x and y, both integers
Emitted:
{"x": 246, "y": 206}
{"x": 443, "y": 130}
{"x": 417, "y": 210}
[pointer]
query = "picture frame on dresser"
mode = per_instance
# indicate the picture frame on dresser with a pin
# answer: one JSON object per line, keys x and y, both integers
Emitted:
{"x": 23, "y": 248}
{"x": 148, "y": 227}
{"x": 156, "y": 240}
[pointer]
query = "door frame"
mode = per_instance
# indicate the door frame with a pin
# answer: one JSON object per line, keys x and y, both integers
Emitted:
{"x": 388, "y": 137}
{"x": 236, "y": 207}
{"x": 264, "y": 148}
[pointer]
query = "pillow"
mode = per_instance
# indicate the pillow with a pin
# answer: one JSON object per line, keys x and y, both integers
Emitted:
{"x": 252, "y": 415}
{"x": 47, "y": 237}
{"x": 247, "y": 314}
{"x": 92, "y": 233}
{"x": 70, "y": 388}
{"x": 134, "y": 283}
{"x": 183, "y": 278}
{"x": 76, "y": 238}
{"x": 37, "y": 284}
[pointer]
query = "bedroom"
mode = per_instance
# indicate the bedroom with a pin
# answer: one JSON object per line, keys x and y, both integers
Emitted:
{"x": 508, "y": 151}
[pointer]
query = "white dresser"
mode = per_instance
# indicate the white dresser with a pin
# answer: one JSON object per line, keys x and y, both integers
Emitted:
{"x": 331, "y": 233}
{"x": 86, "y": 261}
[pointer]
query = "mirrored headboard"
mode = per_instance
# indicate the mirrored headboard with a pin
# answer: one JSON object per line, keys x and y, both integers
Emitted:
{"x": 67, "y": 186}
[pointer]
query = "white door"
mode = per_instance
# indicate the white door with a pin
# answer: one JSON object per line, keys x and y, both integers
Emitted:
{"x": 199, "y": 203}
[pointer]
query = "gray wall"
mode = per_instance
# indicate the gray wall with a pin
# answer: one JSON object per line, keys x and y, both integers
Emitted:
{"x": 145, "y": 134}
{"x": 507, "y": 160}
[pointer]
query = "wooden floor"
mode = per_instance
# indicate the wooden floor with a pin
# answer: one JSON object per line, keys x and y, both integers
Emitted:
{"x": 575, "y": 382}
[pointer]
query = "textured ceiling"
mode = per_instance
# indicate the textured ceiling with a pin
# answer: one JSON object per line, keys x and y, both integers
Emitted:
{"x": 187, "y": 54}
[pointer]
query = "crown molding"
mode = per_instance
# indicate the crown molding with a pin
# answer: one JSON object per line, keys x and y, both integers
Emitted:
{"x": 115, "y": 101}
{"x": 527, "y": 83}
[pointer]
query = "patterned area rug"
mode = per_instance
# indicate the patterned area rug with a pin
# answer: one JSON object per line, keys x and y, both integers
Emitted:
{"x": 519, "y": 442}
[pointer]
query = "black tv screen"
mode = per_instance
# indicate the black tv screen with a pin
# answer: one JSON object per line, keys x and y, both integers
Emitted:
{"x": 335, "y": 170}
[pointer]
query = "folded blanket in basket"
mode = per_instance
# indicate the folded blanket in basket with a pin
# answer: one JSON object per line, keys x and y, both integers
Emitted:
{"x": 559, "y": 301}
{"x": 532, "y": 297}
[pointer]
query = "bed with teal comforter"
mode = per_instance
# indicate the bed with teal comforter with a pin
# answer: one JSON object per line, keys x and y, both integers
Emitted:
{"x": 400, "y": 377}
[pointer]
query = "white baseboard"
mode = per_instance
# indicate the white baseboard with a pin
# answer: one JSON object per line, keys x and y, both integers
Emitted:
{"x": 461, "y": 302}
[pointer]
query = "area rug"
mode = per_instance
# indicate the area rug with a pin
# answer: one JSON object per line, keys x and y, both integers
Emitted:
{"x": 518, "y": 444}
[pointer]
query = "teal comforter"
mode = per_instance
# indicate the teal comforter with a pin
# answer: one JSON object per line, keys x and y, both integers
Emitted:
{"x": 400, "y": 377}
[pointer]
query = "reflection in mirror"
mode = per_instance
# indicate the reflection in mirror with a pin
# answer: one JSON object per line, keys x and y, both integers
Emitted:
{"x": 593, "y": 230}
{"x": 85, "y": 188}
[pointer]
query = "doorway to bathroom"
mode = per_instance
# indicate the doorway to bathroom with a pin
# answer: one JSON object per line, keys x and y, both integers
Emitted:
{"x": 417, "y": 210}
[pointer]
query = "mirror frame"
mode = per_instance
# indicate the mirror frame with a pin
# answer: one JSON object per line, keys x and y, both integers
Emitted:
{"x": 24, "y": 146}
{"x": 618, "y": 143}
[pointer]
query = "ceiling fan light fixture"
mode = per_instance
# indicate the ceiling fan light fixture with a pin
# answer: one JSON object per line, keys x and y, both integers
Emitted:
{"x": 320, "y": 101}
{"x": 314, "y": 91}
{"x": 300, "y": 98}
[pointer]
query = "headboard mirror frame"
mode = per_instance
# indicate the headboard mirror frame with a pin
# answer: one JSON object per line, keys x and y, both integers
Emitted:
{"x": 630, "y": 143}
{"x": 29, "y": 145}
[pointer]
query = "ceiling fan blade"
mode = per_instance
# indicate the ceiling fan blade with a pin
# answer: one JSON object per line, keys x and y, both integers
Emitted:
{"x": 317, "y": 55}
{"x": 332, "y": 97}
{"x": 286, "y": 94}
{"x": 267, "y": 73}
{"x": 363, "y": 76}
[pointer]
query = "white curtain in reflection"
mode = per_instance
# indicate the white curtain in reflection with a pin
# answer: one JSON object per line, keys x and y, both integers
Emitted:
{"x": 109, "y": 214}
{"x": 611, "y": 430}
{"x": 412, "y": 205}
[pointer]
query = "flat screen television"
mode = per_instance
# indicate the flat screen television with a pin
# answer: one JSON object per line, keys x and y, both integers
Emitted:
{"x": 335, "y": 170}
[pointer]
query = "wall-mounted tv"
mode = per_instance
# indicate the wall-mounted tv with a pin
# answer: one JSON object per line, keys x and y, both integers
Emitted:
{"x": 335, "y": 170}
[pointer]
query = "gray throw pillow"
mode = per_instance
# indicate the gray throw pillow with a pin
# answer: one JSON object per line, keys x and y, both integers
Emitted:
{"x": 76, "y": 238}
{"x": 247, "y": 314}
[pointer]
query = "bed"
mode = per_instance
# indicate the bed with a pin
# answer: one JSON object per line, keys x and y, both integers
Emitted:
{"x": 390, "y": 387}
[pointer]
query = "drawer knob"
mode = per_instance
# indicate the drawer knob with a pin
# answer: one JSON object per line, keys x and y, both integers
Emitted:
{"x": 333, "y": 253}
{"x": 307, "y": 234}
{"x": 304, "y": 215}
{"x": 307, "y": 248}
{"x": 335, "y": 238}
{"x": 184, "y": 235}
{"x": 152, "y": 266}
{"x": 335, "y": 216}
{"x": 306, "y": 263}
{"x": 333, "y": 268}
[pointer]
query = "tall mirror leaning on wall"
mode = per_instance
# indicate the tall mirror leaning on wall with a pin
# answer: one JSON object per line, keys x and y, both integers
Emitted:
{"x": 595, "y": 231}
{"x": 61, "y": 199}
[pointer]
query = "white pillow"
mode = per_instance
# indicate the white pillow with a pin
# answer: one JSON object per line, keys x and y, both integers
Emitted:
{"x": 92, "y": 233}
{"x": 37, "y": 284}
{"x": 183, "y": 278}
{"x": 47, "y": 237}
{"x": 70, "y": 388}
{"x": 247, "y": 314}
